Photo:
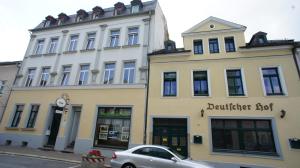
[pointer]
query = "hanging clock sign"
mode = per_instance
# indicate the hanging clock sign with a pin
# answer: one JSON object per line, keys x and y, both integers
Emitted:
{"x": 61, "y": 102}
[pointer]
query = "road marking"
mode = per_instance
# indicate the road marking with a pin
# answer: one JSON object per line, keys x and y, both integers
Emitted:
{"x": 74, "y": 166}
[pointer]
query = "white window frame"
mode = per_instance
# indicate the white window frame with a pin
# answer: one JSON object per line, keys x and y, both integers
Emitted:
{"x": 243, "y": 80}
{"x": 90, "y": 46}
{"x": 135, "y": 9}
{"x": 208, "y": 82}
{"x": 234, "y": 41}
{"x": 109, "y": 73}
{"x": 73, "y": 44}
{"x": 39, "y": 47}
{"x": 134, "y": 34}
{"x": 85, "y": 73}
{"x": 2, "y": 85}
{"x": 116, "y": 36}
{"x": 30, "y": 76}
{"x": 53, "y": 46}
{"x": 208, "y": 45}
{"x": 44, "y": 74}
{"x": 281, "y": 78}
{"x": 65, "y": 83}
{"x": 162, "y": 85}
{"x": 134, "y": 72}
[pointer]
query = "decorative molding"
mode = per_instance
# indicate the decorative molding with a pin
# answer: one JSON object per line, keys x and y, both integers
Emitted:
{"x": 65, "y": 31}
{"x": 103, "y": 27}
{"x": 53, "y": 74}
{"x": 95, "y": 71}
{"x": 88, "y": 50}
{"x": 70, "y": 52}
{"x": 112, "y": 48}
{"x": 131, "y": 46}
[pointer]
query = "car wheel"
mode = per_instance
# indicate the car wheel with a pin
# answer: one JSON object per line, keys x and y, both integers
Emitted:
{"x": 128, "y": 165}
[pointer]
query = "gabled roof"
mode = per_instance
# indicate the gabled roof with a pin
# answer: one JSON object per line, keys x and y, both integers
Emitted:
{"x": 212, "y": 18}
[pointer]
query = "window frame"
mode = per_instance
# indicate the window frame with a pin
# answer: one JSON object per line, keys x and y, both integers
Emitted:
{"x": 163, "y": 87}
{"x": 195, "y": 41}
{"x": 209, "y": 39}
{"x": 62, "y": 75}
{"x": 13, "y": 116}
{"x": 30, "y": 114}
{"x": 117, "y": 36}
{"x": 31, "y": 76}
{"x": 42, "y": 75}
{"x": 134, "y": 72}
{"x": 51, "y": 49}
{"x": 86, "y": 74}
{"x": 109, "y": 73}
{"x": 253, "y": 154}
{"x": 135, "y": 9}
{"x": 39, "y": 47}
{"x": 281, "y": 80}
{"x": 88, "y": 45}
{"x": 243, "y": 79}
{"x": 135, "y": 35}
{"x": 234, "y": 45}
{"x": 208, "y": 82}
{"x": 73, "y": 44}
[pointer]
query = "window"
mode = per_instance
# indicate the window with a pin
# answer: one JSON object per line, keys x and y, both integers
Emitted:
{"x": 133, "y": 35}
{"x": 135, "y": 9}
{"x": 45, "y": 76}
{"x": 160, "y": 153}
{"x": 129, "y": 72}
{"x": 143, "y": 151}
{"x": 39, "y": 47}
{"x": 235, "y": 82}
{"x": 2, "y": 84}
{"x": 243, "y": 136}
{"x": 113, "y": 127}
{"x": 30, "y": 76}
{"x": 53, "y": 45}
{"x": 84, "y": 74}
{"x": 200, "y": 82}
{"x": 213, "y": 46}
{"x": 109, "y": 73}
{"x": 229, "y": 44}
{"x": 32, "y": 117}
{"x": 91, "y": 41}
{"x": 170, "y": 86}
{"x": 198, "y": 47}
{"x": 114, "y": 38}
{"x": 17, "y": 116}
{"x": 65, "y": 75}
{"x": 73, "y": 43}
{"x": 272, "y": 81}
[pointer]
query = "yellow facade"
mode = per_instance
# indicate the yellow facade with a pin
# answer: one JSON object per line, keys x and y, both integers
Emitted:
{"x": 250, "y": 61}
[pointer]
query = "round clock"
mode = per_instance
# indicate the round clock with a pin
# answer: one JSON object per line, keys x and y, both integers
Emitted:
{"x": 60, "y": 102}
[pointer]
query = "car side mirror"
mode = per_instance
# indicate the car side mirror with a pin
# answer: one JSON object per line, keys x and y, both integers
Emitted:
{"x": 174, "y": 159}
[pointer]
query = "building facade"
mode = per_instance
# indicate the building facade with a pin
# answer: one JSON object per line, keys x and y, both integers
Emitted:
{"x": 82, "y": 81}
{"x": 225, "y": 101}
{"x": 8, "y": 72}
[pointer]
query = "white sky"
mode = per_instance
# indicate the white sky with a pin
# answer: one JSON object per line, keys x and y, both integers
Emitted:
{"x": 279, "y": 18}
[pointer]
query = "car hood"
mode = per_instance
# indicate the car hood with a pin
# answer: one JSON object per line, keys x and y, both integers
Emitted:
{"x": 197, "y": 164}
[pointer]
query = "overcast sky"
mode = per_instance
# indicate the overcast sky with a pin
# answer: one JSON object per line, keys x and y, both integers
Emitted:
{"x": 279, "y": 18}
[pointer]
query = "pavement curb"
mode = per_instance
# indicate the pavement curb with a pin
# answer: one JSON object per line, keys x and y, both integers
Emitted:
{"x": 41, "y": 157}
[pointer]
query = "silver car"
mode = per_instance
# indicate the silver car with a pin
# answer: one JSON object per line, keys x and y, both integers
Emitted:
{"x": 153, "y": 156}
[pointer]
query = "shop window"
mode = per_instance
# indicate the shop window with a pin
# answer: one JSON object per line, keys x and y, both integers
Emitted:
{"x": 243, "y": 136}
{"x": 235, "y": 82}
{"x": 198, "y": 47}
{"x": 213, "y": 45}
{"x": 17, "y": 116}
{"x": 32, "y": 116}
{"x": 272, "y": 81}
{"x": 169, "y": 85}
{"x": 113, "y": 127}
{"x": 200, "y": 83}
{"x": 229, "y": 44}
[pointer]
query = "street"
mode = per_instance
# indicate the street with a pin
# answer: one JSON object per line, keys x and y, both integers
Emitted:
{"x": 13, "y": 161}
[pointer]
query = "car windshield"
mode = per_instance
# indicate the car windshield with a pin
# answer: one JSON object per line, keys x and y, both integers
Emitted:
{"x": 177, "y": 154}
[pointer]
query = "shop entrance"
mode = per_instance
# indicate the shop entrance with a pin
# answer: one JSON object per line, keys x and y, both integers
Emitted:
{"x": 171, "y": 132}
{"x": 54, "y": 128}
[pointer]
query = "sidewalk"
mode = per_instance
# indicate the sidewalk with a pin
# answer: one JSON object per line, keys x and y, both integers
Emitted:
{"x": 37, "y": 153}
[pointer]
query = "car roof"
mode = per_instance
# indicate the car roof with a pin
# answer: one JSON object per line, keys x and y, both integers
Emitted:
{"x": 144, "y": 146}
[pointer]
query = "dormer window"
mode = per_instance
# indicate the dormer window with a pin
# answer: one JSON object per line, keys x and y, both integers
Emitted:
{"x": 170, "y": 45}
{"x": 97, "y": 12}
{"x": 81, "y": 15}
{"x": 119, "y": 8}
{"x": 136, "y": 6}
{"x": 62, "y": 18}
{"x": 50, "y": 20}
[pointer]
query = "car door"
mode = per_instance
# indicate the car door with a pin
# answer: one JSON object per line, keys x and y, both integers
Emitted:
{"x": 162, "y": 158}
{"x": 141, "y": 158}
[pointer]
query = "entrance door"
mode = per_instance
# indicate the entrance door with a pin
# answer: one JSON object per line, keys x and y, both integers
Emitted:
{"x": 54, "y": 127}
{"x": 172, "y": 133}
{"x": 74, "y": 126}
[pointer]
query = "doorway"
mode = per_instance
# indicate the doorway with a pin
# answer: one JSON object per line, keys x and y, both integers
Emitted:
{"x": 54, "y": 127}
{"x": 74, "y": 125}
{"x": 171, "y": 132}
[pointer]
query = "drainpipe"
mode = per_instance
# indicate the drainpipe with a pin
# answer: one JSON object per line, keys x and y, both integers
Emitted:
{"x": 147, "y": 84}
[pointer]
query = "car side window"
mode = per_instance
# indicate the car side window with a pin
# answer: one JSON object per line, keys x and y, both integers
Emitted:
{"x": 142, "y": 151}
{"x": 160, "y": 153}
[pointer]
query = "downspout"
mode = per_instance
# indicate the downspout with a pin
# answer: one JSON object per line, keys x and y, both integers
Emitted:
{"x": 147, "y": 85}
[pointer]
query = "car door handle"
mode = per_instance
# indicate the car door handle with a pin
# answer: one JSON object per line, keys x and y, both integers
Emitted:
{"x": 151, "y": 160}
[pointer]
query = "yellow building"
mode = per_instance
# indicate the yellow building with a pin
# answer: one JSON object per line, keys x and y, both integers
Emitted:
{"x": 225, "y": 101}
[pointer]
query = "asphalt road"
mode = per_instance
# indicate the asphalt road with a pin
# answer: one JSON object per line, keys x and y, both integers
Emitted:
{"x": 13, "y": 161}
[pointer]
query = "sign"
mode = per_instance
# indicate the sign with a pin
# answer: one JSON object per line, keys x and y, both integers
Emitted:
{"x": 58, "y": 111}
{"x": 61, "y": 102}
{"x": 240, "y": 107}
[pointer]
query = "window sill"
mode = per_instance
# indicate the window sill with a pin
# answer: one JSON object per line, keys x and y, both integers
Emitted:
{"x": 35, "y": 55}
{"x": 131, "y": 46}
{"x": 49, "y": 54}
{"x": 237, "y": 96}
{"x": 88, "y": 50}
{"x": 12, "y": 128}
{"x": 230, "y": 51}
{"x": 208, "y": 96}
{"x": 214, "y": 52}
{"x": 198, "y": 53}
{"x": 112, "y": 48}
{"x": 70, "y": 52}
{"x": 28, "y": 129}
{"x": 169, "y": 97}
